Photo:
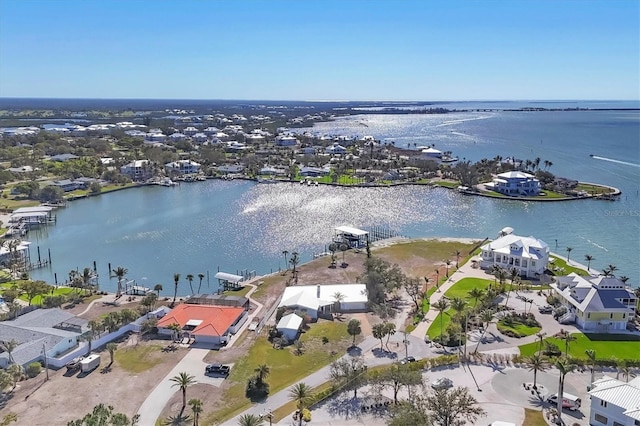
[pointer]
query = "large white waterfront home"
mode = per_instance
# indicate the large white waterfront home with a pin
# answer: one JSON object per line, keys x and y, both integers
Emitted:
{"x": 515, "y": 183}
{"x": 600, "y": 304}
{"x": 528, "y": 255}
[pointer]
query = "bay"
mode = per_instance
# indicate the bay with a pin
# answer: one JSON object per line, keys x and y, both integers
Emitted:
{"x": 239, "y": 225}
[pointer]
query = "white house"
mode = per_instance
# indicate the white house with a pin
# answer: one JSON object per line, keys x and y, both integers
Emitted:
{"x": 289, "y": 326}
{"x": 316, "y": 300}
{"x": 286, "y": 140}
{"x": 183, "y": 167}
{"x": 515, "y": 183}
{"x": 615, "y": 403}
{"x": 528, "y": 255}
{"x": 431, "y": 153}
{"x": 200, "y": 137}
{"x": 177, "y": 137}
{"x": 336, "y": 148}
{"x": 137, "y": 170}
{"x": 600, "y": 304}
{"x": 190, "y": 131}
{"x": 53, "y": 330}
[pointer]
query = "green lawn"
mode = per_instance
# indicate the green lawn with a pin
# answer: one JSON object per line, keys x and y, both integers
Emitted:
{"x": 533, "y": 418}
{"x": 285, "y": 367}
{"x": 136, "y": 359}
{"x": 460, "y": 289}
{"x": 447, "y": 184}
{"x": 559, "y": 266}
{"x": 520, "y": 329}
{"x": 625, "y": 347}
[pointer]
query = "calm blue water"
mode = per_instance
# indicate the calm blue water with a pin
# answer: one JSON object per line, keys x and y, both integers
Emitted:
{"x": 155, "y": 232}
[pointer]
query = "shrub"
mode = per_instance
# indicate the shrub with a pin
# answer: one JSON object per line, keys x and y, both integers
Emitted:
{"x": 33, "y": 369}
{"x": 325, "y": 340}
{"x": 280, "y": 313}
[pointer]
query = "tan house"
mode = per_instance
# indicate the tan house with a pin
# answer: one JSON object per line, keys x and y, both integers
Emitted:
{"x": 602, "y": 303}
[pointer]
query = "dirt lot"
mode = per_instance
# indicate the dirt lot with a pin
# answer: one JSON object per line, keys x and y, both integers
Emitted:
{"x": 66, "y": 397}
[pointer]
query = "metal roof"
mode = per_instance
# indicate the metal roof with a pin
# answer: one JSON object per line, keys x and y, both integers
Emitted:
{"x": 350, "y": 230}
{"x": 229, "y": 277}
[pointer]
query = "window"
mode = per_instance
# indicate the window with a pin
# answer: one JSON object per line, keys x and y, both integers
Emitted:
{"x": 617, "y": 424}
{"x": 610, "y": 316}
{"x": 601, "y": 419}
{"x": 603, "y": 403}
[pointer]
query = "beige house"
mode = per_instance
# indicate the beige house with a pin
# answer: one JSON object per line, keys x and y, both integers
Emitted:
{"x": 602, "y": 303}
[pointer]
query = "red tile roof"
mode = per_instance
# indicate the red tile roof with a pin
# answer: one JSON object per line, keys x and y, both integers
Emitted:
{"x": 216, "y": 320}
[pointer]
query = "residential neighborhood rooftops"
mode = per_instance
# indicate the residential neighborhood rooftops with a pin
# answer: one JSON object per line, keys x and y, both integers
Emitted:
{"x": 623, "y": 394}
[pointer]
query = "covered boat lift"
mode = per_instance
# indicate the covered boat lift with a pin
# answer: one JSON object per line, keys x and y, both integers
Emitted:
{"x": 353, "y": 237}
{"x": 229, "y": 281}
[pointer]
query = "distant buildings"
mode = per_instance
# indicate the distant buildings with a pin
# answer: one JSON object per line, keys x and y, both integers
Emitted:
{"x": 528, "y": 255}
{"x": 183, "y": 167}
{"x": 137, "y": 170}
{"x": 318, "y": 300}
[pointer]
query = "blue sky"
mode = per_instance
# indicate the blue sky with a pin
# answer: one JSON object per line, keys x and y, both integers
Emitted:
{"x": 321, "y": 50}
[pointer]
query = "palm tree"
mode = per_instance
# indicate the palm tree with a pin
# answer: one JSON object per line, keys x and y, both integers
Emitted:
{"x": 457, "y": 254}
{"x": 200, "y": 277}
{"x": 95, "y": 327}
{"x": 301, "y": 393}
{"x": 262, "y": 371}
{"x": 458, "y": 304}
{"x": 609, "y": 270}
{"x": 286, "y": 260}
{"x": 536, "y": 363}
{"x": 591, "y": 354}
{"x": 9, "y": 347}
{"x": 190, "y": 279}
{"x": 624, "y": 279}
{"x": 437, "y": 271}
{"x": 294, "y": 260}
{"x": 564, "y": 367}
{"x": 486, "y": 317}
{"x": 120, "y": 272}
{"x": 157, "y": 288}
{"x": 589, "y": 258}
{"x": 250, "y": 420}
{"x": 196, "y": 407}
{"x": 568, "y": 253}
{"x": 475, "y": 293}
{"x": 448, "y": 265}
{"x": 183, "y": 380}
{"x": 112, "y": 348}
{"x": 338, "y": 298}
{"x": 176, "y": 278}
{"x": 540, "y": 335}
{"x": 568, "y": 338}
{"x": 441, "y": 306}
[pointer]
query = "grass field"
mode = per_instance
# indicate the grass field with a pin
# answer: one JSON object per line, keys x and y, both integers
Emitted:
{"x": 520, "y": 330}
{"x": 136, "y": 359}
{"x": 285, "y": 367}
{"x": 533, "y": 418}
{"x": 625, "y": 347}
{"x": 560, "y": 267}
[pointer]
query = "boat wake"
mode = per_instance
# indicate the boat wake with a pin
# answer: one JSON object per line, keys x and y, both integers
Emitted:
{"x": 614, "y": 161}
{"x": 595, "y": 244}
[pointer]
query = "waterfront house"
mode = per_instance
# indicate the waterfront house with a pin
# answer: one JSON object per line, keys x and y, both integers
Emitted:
{"x": 336, "y": 149}
{"x": 318, "y": 300}
{"x": 207, "y": 324}
{"x": 614, "y": 402}
{"x": 183, "y": 167}
{"x": 50, "y": 331}
{"x": 528, "y": 255}
{"x": 66, "y": 185}
{"x": 515, "y": 183}
{"x": 286, "y": 140}
{"x": 230, "y": 169}
{"x": 137, "y": 170}
{"x": 314, "y": 171}
{"x": 599, "y": 304}
{"x": 431, "y": 154}
{"x": 289, "y": 326}
{"x": 219, "y": 300}
{"x": 18, "y": 254}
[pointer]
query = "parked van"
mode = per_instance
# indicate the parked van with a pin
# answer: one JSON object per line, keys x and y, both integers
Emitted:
{"x": 569, "y": 401}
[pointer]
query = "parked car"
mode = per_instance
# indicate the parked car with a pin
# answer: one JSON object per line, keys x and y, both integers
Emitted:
{"x": 407, "y": 360}
{"x": 546, "y": 309}
{"x": 218, "y": 369}
{"x": 442, "y": 383}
